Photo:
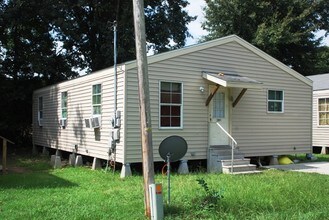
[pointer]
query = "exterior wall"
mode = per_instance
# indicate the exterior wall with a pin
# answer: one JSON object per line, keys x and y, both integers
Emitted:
{"x": 257, "y": 132}
{"x": 79, "y": 90}
{"x": 320, "y": 133}
{"x": 195, "y": 113}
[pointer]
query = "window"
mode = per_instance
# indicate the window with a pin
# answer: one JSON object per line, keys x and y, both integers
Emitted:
{"x": 219, "y": 105}
{"x": 323, "y": 104}
{"x": 40, "y": 108}
{"x": 64, "y": 105}
{"x": 275, "y": 101}
{"x": 97, "y": 99}
{"x": 40, "y": 111}
{"x": 170, "y": 105}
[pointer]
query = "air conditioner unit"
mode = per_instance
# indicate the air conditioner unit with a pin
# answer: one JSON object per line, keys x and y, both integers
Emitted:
{"x": 63, "y": 122}
{"x": 95, "y": 122}
{"x": 88, "y": 122}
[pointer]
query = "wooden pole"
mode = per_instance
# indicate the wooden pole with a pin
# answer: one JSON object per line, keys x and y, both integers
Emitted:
{"x": 4, "y": 156}
{"x": 4, "y": 153}
{"x": 144, "y": 101}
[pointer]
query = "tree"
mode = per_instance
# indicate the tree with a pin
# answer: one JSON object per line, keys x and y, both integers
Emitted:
{"x": 322, "y": 64}
{"x": 52, "y": 40}
{"x": 44, "y": 42}
{"x": 28, "y": 47}
{"x": 85, "y": 28}
{"x": 283, "y": 29}
{"x": 28, "y": 60}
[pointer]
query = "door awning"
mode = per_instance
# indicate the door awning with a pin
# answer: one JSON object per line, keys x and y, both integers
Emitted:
{"x": 232, "y": 80}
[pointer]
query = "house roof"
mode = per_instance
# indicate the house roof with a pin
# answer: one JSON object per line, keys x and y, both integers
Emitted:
{"x": 232, "y": 80}
{"x": 202, "y": 46}
{"x": 320, "y": 81}
{"x": 218, "y": 42}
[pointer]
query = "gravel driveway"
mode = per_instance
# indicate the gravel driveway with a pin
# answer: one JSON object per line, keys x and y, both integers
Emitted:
{"x": 311, "y": 167}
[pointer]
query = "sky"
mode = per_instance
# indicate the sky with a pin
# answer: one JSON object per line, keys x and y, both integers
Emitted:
{"x": 195, "y": 8}
{"x": 195, "y": 29}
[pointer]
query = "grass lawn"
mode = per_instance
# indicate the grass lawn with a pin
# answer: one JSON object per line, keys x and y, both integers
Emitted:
{"x": 81, "y": 193}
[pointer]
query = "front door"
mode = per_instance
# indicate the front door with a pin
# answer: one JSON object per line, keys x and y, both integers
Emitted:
{"x": 219, "y": 112}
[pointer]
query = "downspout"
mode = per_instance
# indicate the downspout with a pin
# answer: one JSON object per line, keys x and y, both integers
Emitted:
{"x": 115, "y": 92}
{"x": 115, "y": 67}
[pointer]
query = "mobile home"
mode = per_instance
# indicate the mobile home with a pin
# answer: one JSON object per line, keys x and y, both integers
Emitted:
{"x": 320, "y": 111}
{"x": 210, "y": 94}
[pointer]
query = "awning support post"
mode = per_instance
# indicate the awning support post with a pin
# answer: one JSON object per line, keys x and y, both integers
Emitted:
{"x": 212, "y": 94}
{"x": 236, "y": 101}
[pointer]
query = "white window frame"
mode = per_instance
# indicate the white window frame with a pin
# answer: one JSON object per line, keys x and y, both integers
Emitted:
{"x": 318, "y": 111}
{"x": 214, "y": 101}
{"x": 40, "y": 110}
{"x": 181, "y": 105}
{"x": 92, "y": 96}
{"x": 62, "y": 107}
{"x": 271, "y": 100}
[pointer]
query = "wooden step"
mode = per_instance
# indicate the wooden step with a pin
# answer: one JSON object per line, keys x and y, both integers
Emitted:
{"x": 239, "y": 168}
{"x": 242, "y": 161}
{"x": 220, "y": 157}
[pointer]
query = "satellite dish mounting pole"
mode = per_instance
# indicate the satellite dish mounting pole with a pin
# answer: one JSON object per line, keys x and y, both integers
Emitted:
{"x": 168, "y": 175}
{"x": 172, "y": 149}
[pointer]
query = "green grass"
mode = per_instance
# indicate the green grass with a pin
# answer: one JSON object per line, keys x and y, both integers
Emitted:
{"x": 81, "y": 193}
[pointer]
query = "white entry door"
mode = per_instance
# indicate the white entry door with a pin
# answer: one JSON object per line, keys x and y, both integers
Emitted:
{"x": 219, "y": 112}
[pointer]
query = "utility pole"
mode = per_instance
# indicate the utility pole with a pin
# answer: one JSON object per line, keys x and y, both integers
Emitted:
{"x": 144, "y": 101}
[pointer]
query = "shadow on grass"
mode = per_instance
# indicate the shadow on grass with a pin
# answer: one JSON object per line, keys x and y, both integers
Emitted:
{"x": 172, "y": 210}
{"x": 34, "y": 180}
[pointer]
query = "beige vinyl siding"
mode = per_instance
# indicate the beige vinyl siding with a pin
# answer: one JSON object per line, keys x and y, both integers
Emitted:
{"x": 79, "y": 107}
{"x": 320, "y": 133}
{"x": 257, "y": 132}
{"x": 195, "y": 126}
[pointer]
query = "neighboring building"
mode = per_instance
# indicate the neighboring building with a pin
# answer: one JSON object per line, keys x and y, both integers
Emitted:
{"x": 265, "y": 105}
{"x": 320, "y": 111}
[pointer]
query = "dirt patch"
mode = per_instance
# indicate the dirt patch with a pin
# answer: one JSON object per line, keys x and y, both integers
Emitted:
{"x": 17, "y": 170}
{"x": 13, "y": 167}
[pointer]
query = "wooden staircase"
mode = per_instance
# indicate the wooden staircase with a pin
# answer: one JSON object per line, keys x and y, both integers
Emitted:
{"x": 219, "y": 161}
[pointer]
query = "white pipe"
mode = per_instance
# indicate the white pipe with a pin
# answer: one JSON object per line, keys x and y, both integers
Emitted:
{"x": 115, "y": 66}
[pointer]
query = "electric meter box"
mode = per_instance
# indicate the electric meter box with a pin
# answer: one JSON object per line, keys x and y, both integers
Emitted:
{"x": 156, "y": 201}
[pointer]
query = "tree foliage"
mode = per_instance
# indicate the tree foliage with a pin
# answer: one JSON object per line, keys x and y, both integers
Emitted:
{"x": 44, "y": 42}
{"x": 28, "y": 60}
{"x": 85, "y": 27}
{"x": 28, "y": 49}
{"x": 283, "y": 29}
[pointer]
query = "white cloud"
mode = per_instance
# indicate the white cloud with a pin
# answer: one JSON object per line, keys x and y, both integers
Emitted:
{"x": 325, "y": 39}
{"x": 195, "y": 29}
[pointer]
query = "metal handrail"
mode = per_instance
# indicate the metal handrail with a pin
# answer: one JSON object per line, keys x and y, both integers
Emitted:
{"x": 233, "y": 145}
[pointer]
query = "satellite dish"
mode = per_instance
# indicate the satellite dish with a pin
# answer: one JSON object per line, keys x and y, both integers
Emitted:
{"x": 174, "y": 146}
{"x": 171, "y": 149}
